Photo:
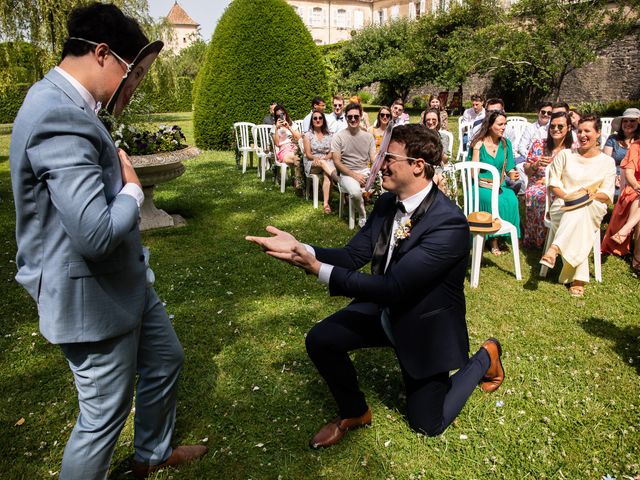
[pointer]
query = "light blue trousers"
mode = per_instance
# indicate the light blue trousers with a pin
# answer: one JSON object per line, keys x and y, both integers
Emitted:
{"x": 105, "y": 376}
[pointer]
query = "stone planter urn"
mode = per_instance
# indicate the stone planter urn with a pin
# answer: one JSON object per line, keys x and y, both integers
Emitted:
{"x": 154, "y": 169}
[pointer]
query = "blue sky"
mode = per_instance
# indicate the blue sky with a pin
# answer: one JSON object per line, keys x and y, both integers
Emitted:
{"x": 205, "y": 12}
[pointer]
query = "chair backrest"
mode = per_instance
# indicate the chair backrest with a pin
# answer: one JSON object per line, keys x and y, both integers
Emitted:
{"x": 243, "y": 132}
{"x": 450, "y": 136}
{"x": 606, "y": 130}
{"x": 518, "y": 124}
{"x": 299, "y": 125}
{"x": 469, "y": 172}
{"x": 263, "y": 139}
{"x": 464, "y": 128}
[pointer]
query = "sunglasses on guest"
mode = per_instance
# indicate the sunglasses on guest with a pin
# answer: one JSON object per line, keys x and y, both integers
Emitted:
{"x": 318, "y": 118}
{"x": 558, "y": 127}
{"x": 353, "y": 117}
{"x": 545, "y": 113}
{"x": 385, "y": 115}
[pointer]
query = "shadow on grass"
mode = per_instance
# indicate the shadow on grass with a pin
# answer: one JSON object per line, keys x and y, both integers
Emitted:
{"x": 625, "y": 338}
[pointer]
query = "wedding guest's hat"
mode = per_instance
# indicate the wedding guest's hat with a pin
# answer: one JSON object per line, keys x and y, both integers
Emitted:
{"x": 616, "y": 123}
{"x": 576, "y": 200}
{"x": 483, "y": 222}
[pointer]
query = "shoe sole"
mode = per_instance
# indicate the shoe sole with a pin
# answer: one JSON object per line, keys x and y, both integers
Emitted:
{"x": 486, "y": 379}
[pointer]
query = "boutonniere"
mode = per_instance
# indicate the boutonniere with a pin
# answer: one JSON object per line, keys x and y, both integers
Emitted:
{"x": 403, "y": 231}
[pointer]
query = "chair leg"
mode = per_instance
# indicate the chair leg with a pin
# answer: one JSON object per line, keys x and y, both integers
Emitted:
{"x": 283, "y": 177}
{"x": 352, "y": 216}
{"x": 340, "y": 202}
{"x": 316, "y": 181}
{"x": 244, "y": 161}
{"x": 597, "y": 257}
{"x": 516, "y": 254}
{"x": 476, "y": 259}
{"x": 547, "y": 243}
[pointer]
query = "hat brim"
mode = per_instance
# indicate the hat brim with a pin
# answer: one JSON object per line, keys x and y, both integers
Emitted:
{"x": 577, "y": 205}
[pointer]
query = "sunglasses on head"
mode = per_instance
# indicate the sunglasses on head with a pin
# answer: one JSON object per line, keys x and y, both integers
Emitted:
{"x": 353, "y": 117}
{"x": 558, "y": 127}
{"x": 546, "y": 113}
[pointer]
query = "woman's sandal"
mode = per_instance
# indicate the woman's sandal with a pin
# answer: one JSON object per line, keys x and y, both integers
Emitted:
{"x": 549, "y": 260}
{"x": 619, "y": 239}
{"x": 326, "y": 209}
{"x": 576, "y": 291}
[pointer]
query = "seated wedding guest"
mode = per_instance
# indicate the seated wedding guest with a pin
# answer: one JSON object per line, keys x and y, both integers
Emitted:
{"x": 534, "y": 130}
{"x": 268, "y": 120}
{"x": 285, "y": 137}
{"x": 397, "y": 113}
{"x": 626, "y": 130}
{"x": 432, "y": 122}
{"x": 317, "y": 103}
{"x": 582, "y": 183}
{"x": 317, "y": 152}
{"x": 626, "y": 214}
{"x": 489, "y": 146}
{"x": 380, "y": 125}
{"x": 364, "y": 121}
{"x": 476, "y": 112}
{"x": 434, "y": 102}
{"x": 540, "y": 155}
{"x": 413, "y": 302}
{"x": 353, "y": 151}
{"x": 336, "y": 119}
{"x": 574, "y": 116}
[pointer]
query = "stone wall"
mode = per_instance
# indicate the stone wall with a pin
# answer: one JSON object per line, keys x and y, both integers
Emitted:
{"x": 614, "y": 75}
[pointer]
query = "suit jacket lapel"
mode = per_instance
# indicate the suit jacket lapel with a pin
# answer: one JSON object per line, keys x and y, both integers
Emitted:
{"x": 378, "y": 260}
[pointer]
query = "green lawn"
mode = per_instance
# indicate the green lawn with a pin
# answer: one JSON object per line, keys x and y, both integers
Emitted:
{"x": 569, "y": 407}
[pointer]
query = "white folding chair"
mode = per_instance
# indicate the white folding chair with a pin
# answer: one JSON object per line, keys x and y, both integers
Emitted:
{"x": 243, "y": 141}
{"x": 471, "y": 203}
{"x": 299, "y": 125}
{"x": 449, "y": 135}
{"x": 264, "y": 147}
{"x": 606, "y": 130}
{"x": 344, "y": 198}
{"x": 464, "y": 128}
{"x": 597, "y": 257}
{"x": 518, "y": 124}
{"x": 311, "y": 179}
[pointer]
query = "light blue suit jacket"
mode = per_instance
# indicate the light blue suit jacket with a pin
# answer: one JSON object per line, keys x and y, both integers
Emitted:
{"x": 79, "y": 250}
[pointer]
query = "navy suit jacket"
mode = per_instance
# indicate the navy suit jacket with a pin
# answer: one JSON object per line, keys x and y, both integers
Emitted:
{"x": 423, "y": 286}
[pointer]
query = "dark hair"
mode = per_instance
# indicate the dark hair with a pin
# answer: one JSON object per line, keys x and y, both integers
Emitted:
{"x": 420, "y": 142}
{"x": 568, "y": 138}
{"x": 398, "y": 101}
{"x": 376, "y": 124}
{"x": 592, "y": 117}
{"x": 493, "y": 101}
{"x": 316, "y": 101}
{"x": 564, "y": 105}
{"x": 103, "y": 23}
{"x": 487, "y": 123}
{"x": 435, "y": 97}
{"x": 476, "y": 98}
{"x": 324, "y": 129}
{"x": 544, "y": 104}
{"x": 353, "y": 106}
{"x": 437, "y": 114}
{"x": 286, "y": 114}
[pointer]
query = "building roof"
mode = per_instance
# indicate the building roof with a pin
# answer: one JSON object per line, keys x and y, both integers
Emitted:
{"x": 178, "y": 16}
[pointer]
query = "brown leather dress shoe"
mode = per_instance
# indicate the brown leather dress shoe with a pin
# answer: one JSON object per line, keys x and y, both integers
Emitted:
{"x": 180, "y": 455}
{"x": 333, "y": 431}
{"x": 495, "y": 373}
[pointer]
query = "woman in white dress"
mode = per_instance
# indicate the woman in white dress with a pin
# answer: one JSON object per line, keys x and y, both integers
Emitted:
{"x": 573, "y": 174}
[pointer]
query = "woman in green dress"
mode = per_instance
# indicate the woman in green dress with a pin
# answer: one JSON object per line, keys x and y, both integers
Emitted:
{"x": 489, "y": 146}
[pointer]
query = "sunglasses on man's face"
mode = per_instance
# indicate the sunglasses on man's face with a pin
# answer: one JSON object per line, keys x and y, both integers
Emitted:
{"x": 545, "y": 113}
{"x": 353, "y": 117}
{"x": 337, "y": 105}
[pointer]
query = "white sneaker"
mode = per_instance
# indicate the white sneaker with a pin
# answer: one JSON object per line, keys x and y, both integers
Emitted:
{"x": 362, "y": 221}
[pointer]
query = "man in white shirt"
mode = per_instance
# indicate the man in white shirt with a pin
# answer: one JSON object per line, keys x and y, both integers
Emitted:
{"x": 412, "y": 302}
{"x": 398, "y": 117}
{"x": 316, "y": 104}
{"x": 530, "y": 133}
{"x": 336, "y": 120}
{"x": 80, "y": 255}
{"x": 476, "y": 112}
{"x": 353, "y": 151}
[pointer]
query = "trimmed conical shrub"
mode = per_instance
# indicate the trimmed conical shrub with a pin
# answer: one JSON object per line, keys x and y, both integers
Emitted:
{"x": 260, "y": 52}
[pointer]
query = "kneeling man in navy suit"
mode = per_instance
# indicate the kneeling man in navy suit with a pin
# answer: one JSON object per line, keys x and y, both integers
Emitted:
{"x": 417, "y": 241}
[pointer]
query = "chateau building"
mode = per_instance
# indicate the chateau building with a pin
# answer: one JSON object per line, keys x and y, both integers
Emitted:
{"x": 184, "y": 29}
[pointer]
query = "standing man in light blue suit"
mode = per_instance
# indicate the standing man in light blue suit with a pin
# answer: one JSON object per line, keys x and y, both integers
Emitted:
{"x": 80, "y": 255}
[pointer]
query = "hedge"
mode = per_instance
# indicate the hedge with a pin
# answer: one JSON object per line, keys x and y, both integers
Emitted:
{"x": 11, "y": 98}
{"x": 260, "y": 51}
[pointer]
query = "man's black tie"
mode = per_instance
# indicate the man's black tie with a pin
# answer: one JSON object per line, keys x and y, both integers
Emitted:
{"x": 381, "y": 250}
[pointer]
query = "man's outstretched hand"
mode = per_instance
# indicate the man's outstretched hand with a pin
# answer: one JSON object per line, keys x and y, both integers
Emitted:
{"x": 284, "y": 246}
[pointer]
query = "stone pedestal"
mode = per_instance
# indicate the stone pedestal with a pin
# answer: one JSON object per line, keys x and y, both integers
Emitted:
{"x": 152, "y": 170}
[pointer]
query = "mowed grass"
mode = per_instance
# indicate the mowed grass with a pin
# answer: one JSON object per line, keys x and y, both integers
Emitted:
{"x": 569, "y": 407}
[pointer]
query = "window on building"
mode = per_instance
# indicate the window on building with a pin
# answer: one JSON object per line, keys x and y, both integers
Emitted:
{"x": 380, "y": 17}
{"x": 412, "y": 10}
{"x": 421, "y": 8}
{"x": 341, "y": 18}
{"x": 395, "y": 12}
{"x": 358, "y": 19}
{"x": 316, "y": 18}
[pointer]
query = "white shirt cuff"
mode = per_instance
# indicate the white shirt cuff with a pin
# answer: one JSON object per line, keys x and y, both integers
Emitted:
{"x": 134, "y": 191}
{"x": 324, "y": 275}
